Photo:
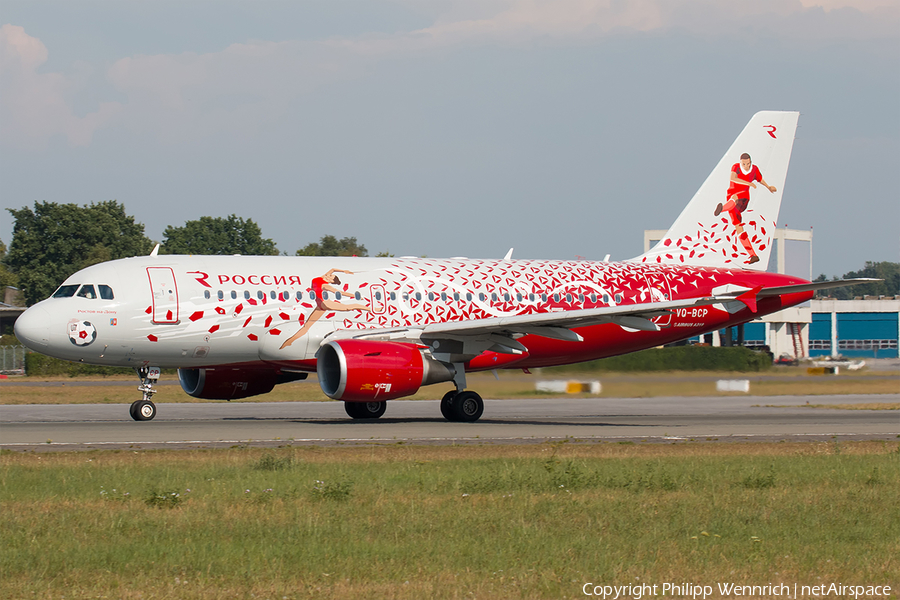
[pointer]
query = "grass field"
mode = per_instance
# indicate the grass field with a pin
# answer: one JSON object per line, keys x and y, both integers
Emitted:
{"x": 445, "y": 522}
{"x": 511, "y": 384}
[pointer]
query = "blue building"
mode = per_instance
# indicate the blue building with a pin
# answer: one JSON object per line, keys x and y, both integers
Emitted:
{"x": 861, "y": 328}
{"x": 867, "y": 328}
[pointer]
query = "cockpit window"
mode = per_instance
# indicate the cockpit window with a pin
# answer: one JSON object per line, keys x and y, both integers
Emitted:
{"x": 87, "y": 291}
{"x": 65, "y": 291}
{"x": 106, "y": 292}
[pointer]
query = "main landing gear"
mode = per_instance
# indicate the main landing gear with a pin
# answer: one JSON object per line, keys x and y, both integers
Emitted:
{"x": 365, "y": 410}
{"x": 462, "y": 407}
{"x": 144, "y": 409}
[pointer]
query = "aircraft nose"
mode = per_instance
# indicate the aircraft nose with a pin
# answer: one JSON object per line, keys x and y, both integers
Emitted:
{"x": 33, "y": 327}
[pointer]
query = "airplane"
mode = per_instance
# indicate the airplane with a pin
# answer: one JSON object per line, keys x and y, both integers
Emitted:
{"x": 377, "y": 329}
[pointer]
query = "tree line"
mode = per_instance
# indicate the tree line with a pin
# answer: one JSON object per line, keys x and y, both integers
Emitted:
{"x": 888, "y": 272}
{"x": 52, "y": 241}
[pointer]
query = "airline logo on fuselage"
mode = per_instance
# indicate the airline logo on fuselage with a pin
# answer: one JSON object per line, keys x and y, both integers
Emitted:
{"x": 238, "y": 279}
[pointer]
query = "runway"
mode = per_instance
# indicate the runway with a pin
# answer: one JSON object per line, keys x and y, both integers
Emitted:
{"x": 220, "y": 424}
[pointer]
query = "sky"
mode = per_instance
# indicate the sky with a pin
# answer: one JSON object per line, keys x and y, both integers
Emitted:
{"x": 561, "y": 128}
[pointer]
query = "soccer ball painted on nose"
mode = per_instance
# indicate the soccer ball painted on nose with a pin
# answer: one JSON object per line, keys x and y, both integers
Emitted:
{"x": 82, "y": 333}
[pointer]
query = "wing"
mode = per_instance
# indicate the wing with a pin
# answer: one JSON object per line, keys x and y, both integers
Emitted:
{"x": 461, "y": 340}
{"x": 500, "y": 334}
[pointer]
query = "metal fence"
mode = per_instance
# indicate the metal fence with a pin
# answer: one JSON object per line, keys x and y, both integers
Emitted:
{"x": 12, "y": 359}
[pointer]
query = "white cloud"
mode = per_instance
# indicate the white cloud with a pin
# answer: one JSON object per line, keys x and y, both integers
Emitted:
{"x": 516, "y": 21}
{"x": 36, "y": 105}
{"x": 250, "y": 85}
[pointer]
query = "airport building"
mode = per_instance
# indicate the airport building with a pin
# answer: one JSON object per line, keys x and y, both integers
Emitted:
{"x": 866, "y": 327}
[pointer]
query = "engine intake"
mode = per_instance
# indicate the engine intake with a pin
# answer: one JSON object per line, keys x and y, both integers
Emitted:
{"x": 367, "y": 371}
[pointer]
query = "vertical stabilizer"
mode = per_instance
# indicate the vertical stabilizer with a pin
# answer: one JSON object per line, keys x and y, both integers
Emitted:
{"x": 740, "y": 235}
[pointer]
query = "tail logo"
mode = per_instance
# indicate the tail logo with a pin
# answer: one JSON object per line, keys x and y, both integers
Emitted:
{"x": 770, "y": 129}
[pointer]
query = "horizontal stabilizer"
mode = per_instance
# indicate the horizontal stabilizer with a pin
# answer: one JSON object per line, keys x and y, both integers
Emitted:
{"x": 814, "y": 287}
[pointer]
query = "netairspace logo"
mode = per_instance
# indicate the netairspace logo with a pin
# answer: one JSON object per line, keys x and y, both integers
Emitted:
{"x": 696, "y": 591}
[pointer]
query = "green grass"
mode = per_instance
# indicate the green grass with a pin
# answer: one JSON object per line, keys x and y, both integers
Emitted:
{"x": 444, "y": 522}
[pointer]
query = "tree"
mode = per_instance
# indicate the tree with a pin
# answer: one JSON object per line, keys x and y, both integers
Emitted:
{"x": 54, "y": 241}
{"x": 217, "y": 235}
{"x": 888, "y": 271}
{"x": 331, "y": 246}
{"x": 7, "y": 277}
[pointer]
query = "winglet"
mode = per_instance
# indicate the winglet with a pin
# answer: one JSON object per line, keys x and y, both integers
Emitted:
{"x": 508, "y": 255}
{"x": 155, "y": 251}
{"x": 749, "y": 297}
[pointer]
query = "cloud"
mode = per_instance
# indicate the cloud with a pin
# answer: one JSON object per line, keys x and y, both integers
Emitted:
{"x": 251, "y": 85}
{"x": 579, "y": 20}
{"x": 36, "y": 106}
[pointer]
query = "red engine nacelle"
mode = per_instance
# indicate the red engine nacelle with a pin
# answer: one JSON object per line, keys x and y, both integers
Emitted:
{"x": 367, "y": 371}
{"x": 232, "y": 383}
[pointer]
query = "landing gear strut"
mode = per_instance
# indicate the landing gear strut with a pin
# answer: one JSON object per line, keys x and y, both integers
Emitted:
{"x": 459, "y": 406}
{"x": 144, "y": 409}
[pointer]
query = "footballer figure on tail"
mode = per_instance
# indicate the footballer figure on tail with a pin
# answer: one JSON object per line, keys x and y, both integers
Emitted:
{"x": 743, "y": 176}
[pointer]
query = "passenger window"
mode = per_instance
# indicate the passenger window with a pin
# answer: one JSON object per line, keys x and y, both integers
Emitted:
{"x": 581, "y": 297}
{"x": 378, "y": 295}
{"x": 593, "y": 297}
{"x": 482, "y": 297}
{"x": 419, "y": 296}
{"x": 468, "y": 296}
{"x": 261, "y": 294}
{"x": 606, "y": 298}
{"x": 506, "y": 297}
{"x": 106, "y": 292}
{"x": 493, "y": 296}
{"x": 393, "y": 296}
{"x": 233, "y": 295}
{"x": 299, "y": 295}
{"x": 431, "y": 296}
{"x": 324, "y": 295}
{"x": 312, "y": 295}
{"x": 206, "y": 294}
{"x": 220, "y": 295}
{"x": 556, "y": 297}
{"x": 543, "y": 297}
{"x": 65, "y": 291}
{"x": 337, "y": 296}
{"x": 87, "y": 291}
{"x": 568, "y": 297}
{"x": 444, "y": 296}
{"x": 273, "y": 295}
{"x": 246, "y": 295}
{"x": 618, "y": 298}
{"x": 531, "y": 297}
{"x": 456, "y": 296}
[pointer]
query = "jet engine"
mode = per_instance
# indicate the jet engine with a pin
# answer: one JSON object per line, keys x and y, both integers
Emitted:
{"x": 232, "y": 383}
{"x": 372, "y": 371}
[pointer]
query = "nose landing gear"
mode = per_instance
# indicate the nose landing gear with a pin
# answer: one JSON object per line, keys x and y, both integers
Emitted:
{"x": 144, "y": 409}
